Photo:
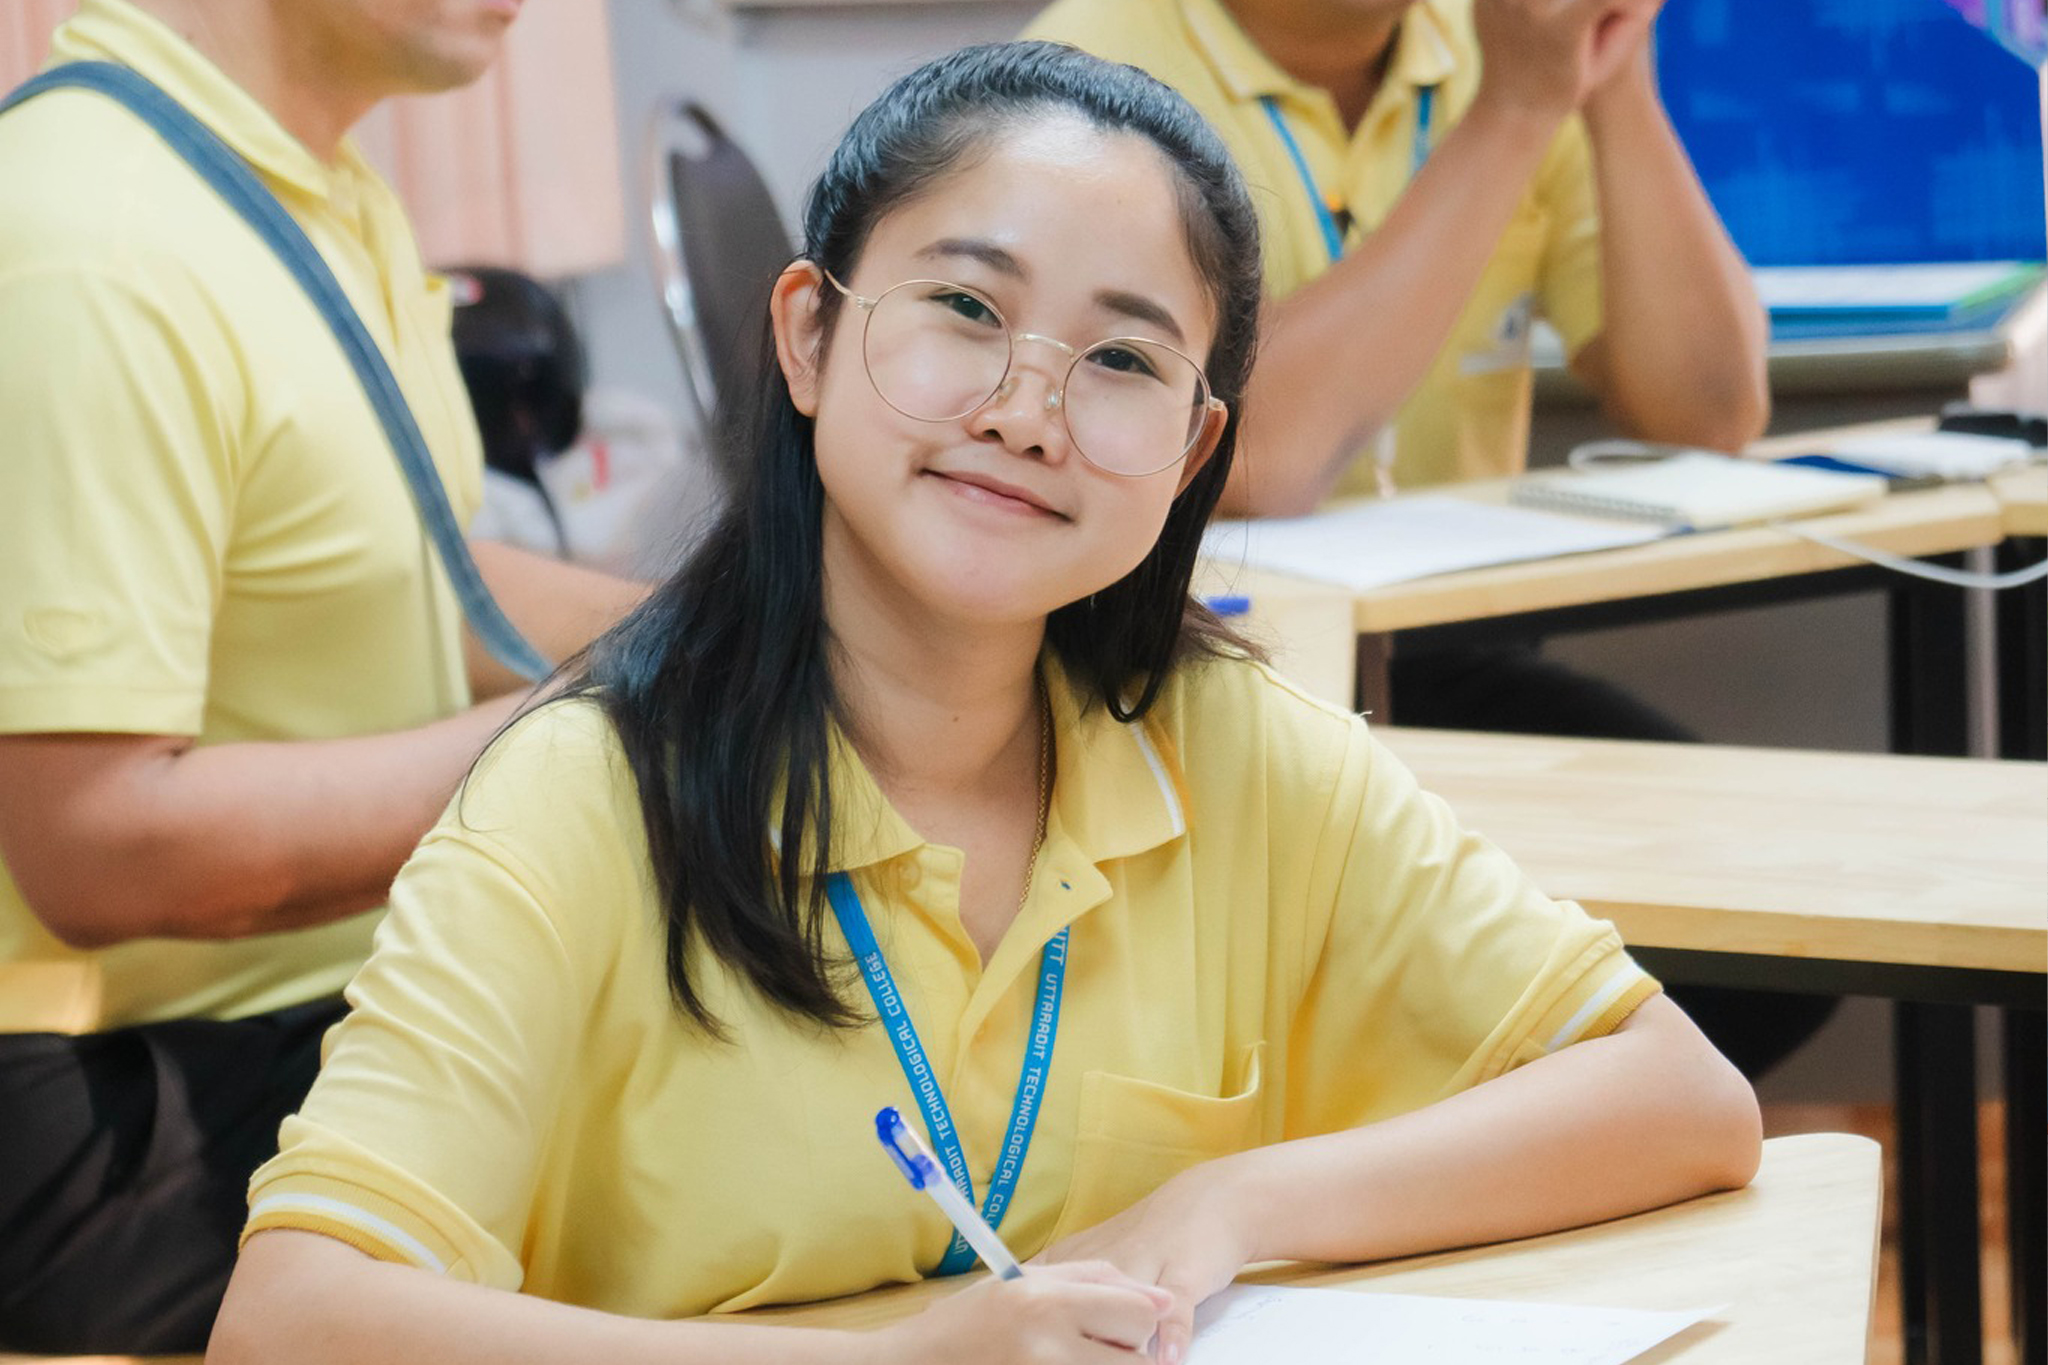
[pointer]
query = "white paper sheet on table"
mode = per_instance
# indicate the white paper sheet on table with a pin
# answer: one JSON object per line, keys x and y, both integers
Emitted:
{"x": 1371, "y": 544}
{"x": 1260, "y": 1325}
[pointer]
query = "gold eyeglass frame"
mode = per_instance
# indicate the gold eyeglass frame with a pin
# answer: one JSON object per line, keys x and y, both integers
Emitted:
{"x": 1056, "y": 400}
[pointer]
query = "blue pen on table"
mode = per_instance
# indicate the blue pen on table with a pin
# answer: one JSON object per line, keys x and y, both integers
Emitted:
{"x": 915, "y": 1160}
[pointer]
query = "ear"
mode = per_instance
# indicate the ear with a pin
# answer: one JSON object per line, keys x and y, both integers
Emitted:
{"x": 799, "y": 336}
{"x": 1213, "y": 422}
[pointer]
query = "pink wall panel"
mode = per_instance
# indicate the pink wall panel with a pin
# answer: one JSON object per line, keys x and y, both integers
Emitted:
{"x": 25, "y": 27}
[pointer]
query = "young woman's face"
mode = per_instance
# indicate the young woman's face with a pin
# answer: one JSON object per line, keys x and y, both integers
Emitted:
{"x": 994, "y": 515}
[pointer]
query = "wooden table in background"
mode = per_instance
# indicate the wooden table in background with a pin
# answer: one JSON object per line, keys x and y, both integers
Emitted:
{"x": 1713, "y": 571}
{"x": 2023, "y": 496}
{"x": 1923, "y": 880}
{"x": 1938, "y": 866}
{"x": 1794, "y": 1257}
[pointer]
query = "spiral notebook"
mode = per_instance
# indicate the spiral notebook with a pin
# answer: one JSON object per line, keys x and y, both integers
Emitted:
{"x": 1697, "y": 491}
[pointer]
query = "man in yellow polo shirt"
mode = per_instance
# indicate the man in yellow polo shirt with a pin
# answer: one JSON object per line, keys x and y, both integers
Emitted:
{"x": 1432, "y": 176}
{"x": 233, "y": 686}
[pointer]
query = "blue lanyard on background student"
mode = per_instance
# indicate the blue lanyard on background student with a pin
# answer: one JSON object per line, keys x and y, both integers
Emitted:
{"x": 938, "y": 1120}
{"x": 1334, "y": 231}
{"x": 1326, "y": 210}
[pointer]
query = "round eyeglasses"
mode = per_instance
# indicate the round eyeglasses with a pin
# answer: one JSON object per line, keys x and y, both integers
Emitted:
{"x": 937, "y": 351}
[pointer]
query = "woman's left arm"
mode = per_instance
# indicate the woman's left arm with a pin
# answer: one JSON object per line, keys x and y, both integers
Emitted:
{"x": 1647, "y": 1115}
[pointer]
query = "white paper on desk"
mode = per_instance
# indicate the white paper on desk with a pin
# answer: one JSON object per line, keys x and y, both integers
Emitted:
{"x": 1918, "y": 287}
{"x": 1371, "y": 544}
{"x": 1259, "y": 1325}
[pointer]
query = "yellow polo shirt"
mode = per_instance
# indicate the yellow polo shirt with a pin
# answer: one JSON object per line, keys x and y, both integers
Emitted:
{"x": 1274, "y": 934}
{"x": 202, "y": 529}
{"x": 1469, "y": 419}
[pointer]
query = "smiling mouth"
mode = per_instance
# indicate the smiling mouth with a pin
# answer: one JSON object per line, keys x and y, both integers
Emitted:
{"x": 996, "y": 494}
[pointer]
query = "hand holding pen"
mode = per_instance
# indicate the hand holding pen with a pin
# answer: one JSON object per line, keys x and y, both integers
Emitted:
{"x": 1076, "y": 1311}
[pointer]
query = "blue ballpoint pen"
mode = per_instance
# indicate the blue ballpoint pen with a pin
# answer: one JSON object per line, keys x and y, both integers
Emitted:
{"x": 915, "y": 1160}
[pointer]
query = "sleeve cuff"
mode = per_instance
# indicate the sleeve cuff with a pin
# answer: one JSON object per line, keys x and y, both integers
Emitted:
{"x": 1608, "y": 1008}
{"x": 395, "y": 1221}
{"x": 1593, "y": 996}
{"x": 87, "y": 709}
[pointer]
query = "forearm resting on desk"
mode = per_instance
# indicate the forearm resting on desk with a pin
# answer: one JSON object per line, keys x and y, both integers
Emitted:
{"x": 114, "y": 837}
{"x": 302, "y": 1298}
{"x": 1647, "y": 1116}
{"x": 1644, "y": 1117}
{"x": 310, "y": 1300}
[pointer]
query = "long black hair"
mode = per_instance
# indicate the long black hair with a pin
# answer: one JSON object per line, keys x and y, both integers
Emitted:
{"x": 719, "y": 684}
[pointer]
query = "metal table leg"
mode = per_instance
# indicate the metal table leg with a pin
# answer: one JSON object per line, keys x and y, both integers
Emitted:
{"x": 2022, "y": 615}
{"x": 1938, "y": 1236}
{"x": 1929, "y": 647}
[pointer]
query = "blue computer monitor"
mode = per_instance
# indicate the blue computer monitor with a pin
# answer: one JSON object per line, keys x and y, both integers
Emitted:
{"x": 1857, "y": 132}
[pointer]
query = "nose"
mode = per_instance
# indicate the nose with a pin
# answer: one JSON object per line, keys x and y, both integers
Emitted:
{"x": 1026, "y": 413}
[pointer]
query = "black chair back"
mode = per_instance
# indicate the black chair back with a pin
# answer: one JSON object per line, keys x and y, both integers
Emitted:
{"x": 719, "y": 244}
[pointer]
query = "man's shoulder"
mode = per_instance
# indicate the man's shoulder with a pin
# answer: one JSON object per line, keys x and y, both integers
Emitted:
{"x": 83, "y": 182}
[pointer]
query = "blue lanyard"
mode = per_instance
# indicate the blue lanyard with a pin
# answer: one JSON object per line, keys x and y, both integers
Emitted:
{"x": 938, "y": 1120}
{"x": 1326, "y": 214}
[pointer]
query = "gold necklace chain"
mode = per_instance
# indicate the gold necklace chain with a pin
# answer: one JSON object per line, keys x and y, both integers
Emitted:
{"x": 1044, "y": 785}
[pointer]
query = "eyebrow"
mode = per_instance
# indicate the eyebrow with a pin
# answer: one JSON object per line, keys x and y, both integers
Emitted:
{"x": 1120, "y": 301}
{"x": 1142, "y": 309}
{"x": 974, "y": 249}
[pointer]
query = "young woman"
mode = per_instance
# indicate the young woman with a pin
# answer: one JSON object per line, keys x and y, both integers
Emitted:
{"x": 1182, "y": 965}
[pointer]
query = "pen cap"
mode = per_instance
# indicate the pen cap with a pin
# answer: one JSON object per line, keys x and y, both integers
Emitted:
{"x": 903, "y": 1148}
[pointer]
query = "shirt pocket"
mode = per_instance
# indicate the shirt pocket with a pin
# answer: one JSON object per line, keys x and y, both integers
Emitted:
{"x": 1135, "y": 1135}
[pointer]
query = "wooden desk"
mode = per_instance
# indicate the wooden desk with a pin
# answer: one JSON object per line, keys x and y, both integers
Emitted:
{"x": 1934, "y": 521}
{"x": 1794, "y": 1256}
{"x": 1715, "y": 570}
{"x": 2023, "y": 499}
{"x": 1924, "y": 880}
{"x": 1927, "y": 863}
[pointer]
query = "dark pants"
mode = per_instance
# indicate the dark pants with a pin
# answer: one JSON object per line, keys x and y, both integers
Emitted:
{"x": 1518, "y": 691}
{"x": 125, "y": 1159}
